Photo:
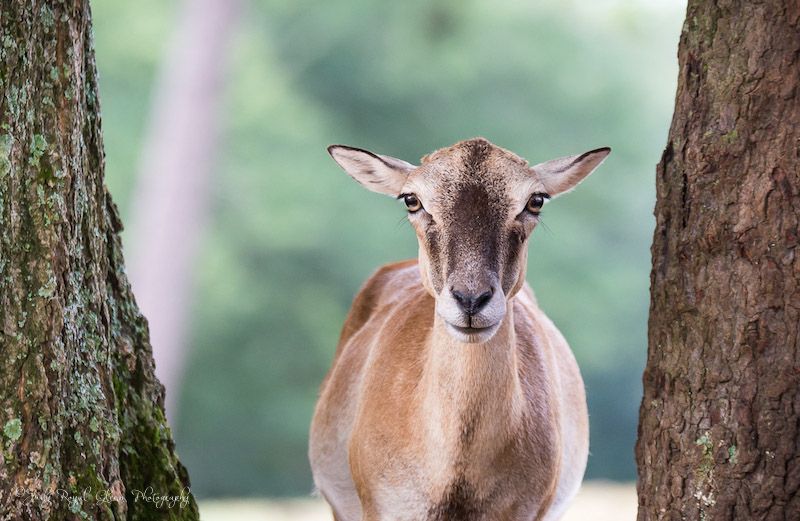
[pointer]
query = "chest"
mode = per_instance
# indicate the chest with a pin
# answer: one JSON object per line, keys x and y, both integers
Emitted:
{"x": 467, "y": 467}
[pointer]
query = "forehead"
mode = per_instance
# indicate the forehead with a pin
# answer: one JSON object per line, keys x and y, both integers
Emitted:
{"x": 475, "y": 173}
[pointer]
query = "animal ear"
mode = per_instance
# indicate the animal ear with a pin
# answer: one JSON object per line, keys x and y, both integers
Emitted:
{"x": 563, "y": 174}
{"x": 382, "y": 174}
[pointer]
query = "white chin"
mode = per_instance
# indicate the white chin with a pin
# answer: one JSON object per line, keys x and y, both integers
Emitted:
{"x": 472, "y": 335}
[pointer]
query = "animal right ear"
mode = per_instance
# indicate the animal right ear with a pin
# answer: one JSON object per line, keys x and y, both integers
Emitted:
{"x": 382, "y": 174}
{"x": 563, "y": 174}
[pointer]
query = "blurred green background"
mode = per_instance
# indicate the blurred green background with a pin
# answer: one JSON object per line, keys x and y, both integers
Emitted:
{"x": 290, "y": 237}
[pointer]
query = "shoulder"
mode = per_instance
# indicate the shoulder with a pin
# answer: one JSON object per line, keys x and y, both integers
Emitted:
{"x": 532, "y": 324}
{"x": 394, "y": 272}
{"x": 529, "y": 320}
{"x": 526, "y": 299}
{"x": 387, "y": 284}
{"x": 387, "y": 280}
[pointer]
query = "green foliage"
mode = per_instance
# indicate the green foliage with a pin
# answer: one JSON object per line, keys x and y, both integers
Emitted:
{"x": 292, "y": 237}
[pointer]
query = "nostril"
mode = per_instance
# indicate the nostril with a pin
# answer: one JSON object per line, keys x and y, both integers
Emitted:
{"x": 460, "y": 297}
{"x": 482, "y": 300}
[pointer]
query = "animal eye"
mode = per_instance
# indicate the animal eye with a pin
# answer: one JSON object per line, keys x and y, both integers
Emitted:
{"x": 412, "y": 202}
{"x": 536, "y": 202}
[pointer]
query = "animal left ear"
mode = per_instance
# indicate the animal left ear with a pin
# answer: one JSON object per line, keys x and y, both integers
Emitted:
{"x": 382, "y": 174}
{"x": 563, "y": 174}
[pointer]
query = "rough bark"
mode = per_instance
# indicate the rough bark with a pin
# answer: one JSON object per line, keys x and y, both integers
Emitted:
{"x": 719, "y": 433}
{"x": 81, "y": 414}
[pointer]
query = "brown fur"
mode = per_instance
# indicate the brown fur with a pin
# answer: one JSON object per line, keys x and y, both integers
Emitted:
{"x": 412, "y": 423}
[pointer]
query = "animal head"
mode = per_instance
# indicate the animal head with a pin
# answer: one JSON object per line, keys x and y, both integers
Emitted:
{"x": 473, "y": 206}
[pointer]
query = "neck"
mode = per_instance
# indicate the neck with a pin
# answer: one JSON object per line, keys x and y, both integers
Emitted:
{"x": 472, "y": 393}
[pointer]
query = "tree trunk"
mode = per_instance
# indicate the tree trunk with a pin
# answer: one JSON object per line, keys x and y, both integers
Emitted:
{"x": 81, "y": 414}
{"x": 719, "y": 433}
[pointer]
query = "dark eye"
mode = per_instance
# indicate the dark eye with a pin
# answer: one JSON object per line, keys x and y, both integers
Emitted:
{"x": 412, "y": 203}
{"x": 536, "y": 202}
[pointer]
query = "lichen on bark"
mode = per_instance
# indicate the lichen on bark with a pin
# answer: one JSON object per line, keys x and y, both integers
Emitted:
{"x": 82, "y": 428}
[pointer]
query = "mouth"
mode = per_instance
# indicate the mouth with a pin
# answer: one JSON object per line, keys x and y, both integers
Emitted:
{"x": 471, "y": 330}
{"x": 472, "y": 335}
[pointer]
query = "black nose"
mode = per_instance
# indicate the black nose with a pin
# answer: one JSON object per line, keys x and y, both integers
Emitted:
{"x": 471, "y": 303}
